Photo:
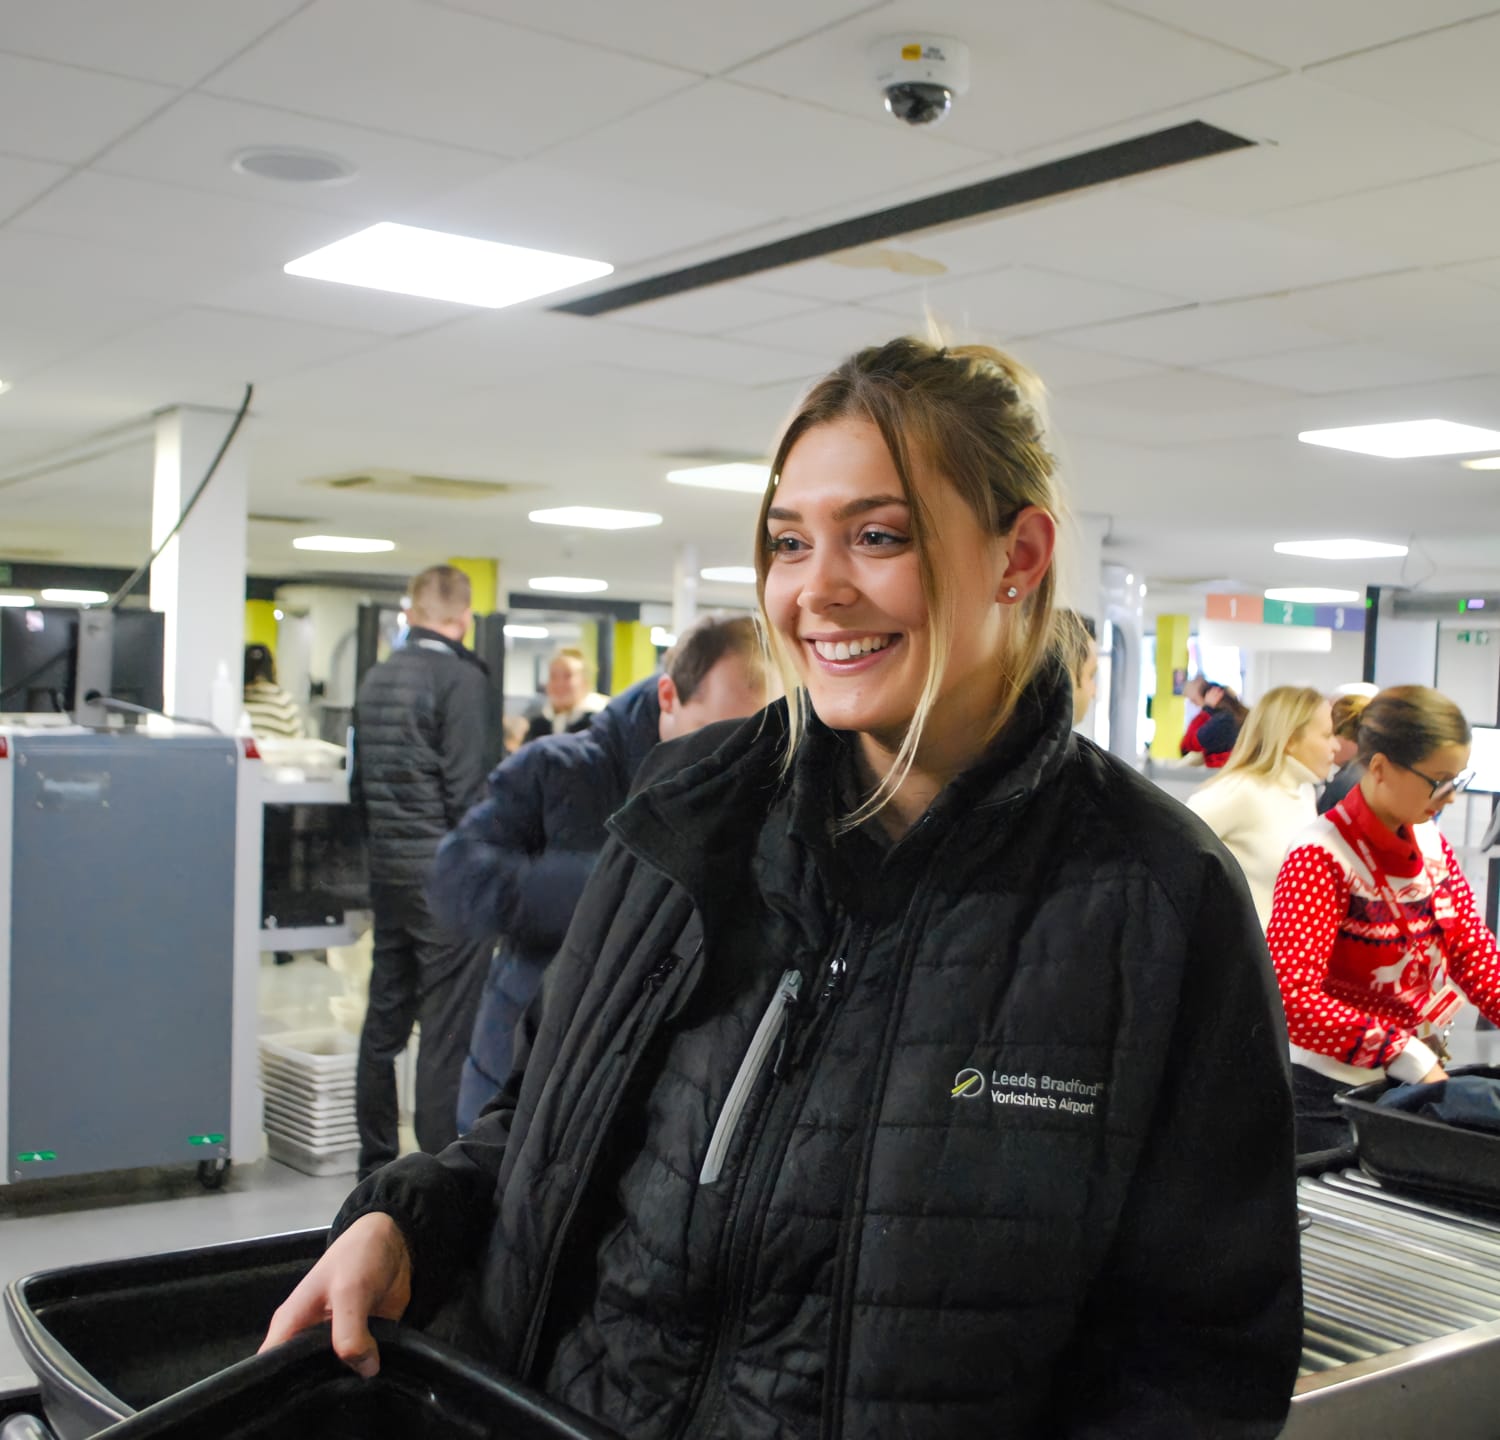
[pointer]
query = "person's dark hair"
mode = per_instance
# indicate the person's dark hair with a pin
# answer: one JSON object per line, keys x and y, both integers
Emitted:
{"x": 1407, "y": 723}
{"x": 260, "y": 664}
{"x": 707, "y": 641}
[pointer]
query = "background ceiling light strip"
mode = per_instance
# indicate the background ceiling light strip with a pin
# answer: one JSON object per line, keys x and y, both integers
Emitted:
{"x": 1176, "y": 145}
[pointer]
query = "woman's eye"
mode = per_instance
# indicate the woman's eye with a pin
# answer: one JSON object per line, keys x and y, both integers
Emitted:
{"x": 784, "y": 544}
{"x": 880, "y": 538}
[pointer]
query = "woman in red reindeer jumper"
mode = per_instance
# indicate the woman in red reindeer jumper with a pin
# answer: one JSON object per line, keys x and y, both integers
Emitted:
{"x": 1374, "y": 931}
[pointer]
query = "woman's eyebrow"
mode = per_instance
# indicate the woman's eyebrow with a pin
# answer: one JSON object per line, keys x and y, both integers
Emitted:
{"x": 844, "y": 512}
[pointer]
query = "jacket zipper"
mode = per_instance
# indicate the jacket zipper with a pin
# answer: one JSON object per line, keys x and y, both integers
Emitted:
{"x": 739, "y": 1236}
{"x": 774, "y": 1025}
{"x": 658, "y": 998}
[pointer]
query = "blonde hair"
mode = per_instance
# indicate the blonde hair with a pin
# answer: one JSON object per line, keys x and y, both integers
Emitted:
{"x": 1075, "y": 641}
{"x": 971, "y": 415}
{"x": 572, "y": 653}
{"x": 1346, "y": 712}
{"x": 1274, "y": 722}
{"x": 438, "y": 595}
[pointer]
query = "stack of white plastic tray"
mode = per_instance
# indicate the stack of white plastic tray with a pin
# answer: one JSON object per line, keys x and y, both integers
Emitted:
{"x": 307, "y": 1077}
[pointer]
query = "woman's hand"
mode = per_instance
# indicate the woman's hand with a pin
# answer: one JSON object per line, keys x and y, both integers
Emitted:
{"x": 365, "y": 1272}
{"x": 1433, "y": 1076}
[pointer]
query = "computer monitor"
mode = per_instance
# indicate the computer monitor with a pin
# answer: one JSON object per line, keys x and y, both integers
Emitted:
{"x": 1484, "y": 759}
{"x": 38, "y": 657}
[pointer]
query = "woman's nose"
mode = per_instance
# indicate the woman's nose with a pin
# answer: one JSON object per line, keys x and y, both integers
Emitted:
{"x": 826, "y": 581}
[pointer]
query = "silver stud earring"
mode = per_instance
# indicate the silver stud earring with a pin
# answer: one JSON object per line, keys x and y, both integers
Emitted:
{"x": 1012, "y": 593}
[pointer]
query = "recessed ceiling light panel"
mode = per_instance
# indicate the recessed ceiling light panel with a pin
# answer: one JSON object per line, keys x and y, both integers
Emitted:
{"x": 343, "y": 544}
{"x": 407, "y": 260}
{"x": 526, "y": 632}
{"x": 1490, "y": 462}
{"x": 4, "y": 386}
{"x": 1313, "y": 595}
{"x": 1406, "y": 439}
{"x": 730, "y": 574}
{"x": 16, "y": 602}
{"x": 75, "y": 597}
{"x": 745, "y": 478}
{"x": 568, "y": 584}
{"x": 1341, "y": 549}
{"x": 592, "y": 517}
{"x": 292, "y": 165}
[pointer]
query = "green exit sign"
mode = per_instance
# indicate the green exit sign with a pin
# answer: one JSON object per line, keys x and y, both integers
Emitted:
{"x": 6, "y": 574}
{"x": 1473, "y": 637}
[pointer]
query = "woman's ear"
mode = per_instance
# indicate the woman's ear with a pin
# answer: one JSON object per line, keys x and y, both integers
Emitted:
{"x": 1028, "y": 553}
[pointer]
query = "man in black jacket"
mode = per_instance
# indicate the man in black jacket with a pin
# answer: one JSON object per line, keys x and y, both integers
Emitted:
{"x": 420, "y": 749}
{"x": 519, "y": 861}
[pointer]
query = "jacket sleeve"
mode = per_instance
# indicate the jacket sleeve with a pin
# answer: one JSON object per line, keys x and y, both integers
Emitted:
{"x": 1311, "y": 899}
{"x": 462, "y": 744}
{"x": 1190, "y": 743}
{"x": 445, "y": 1204}
{"x": 1472, "y": 955}
{"x": 496, "y": 875}
{"x": 1194, "y": 1325}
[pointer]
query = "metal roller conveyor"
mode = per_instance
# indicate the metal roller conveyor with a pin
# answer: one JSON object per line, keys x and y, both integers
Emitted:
{"x": 1401, "y": 1315}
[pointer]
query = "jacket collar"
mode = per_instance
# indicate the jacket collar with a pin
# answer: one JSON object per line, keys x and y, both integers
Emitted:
{"x": 696, "y": 823}
{"x": 1396, "y": 850}
{"x": 420, "y": 637}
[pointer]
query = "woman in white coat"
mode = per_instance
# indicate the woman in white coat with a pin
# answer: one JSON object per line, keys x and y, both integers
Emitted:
{"x": 1266, "y": 795}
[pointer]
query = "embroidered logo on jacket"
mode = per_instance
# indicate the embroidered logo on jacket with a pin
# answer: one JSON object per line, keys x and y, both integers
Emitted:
{"x": 1029, "y": 1092}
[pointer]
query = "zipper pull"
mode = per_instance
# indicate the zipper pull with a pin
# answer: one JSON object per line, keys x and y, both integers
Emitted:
{"x": 833, "y": 984}
{"x": 787, "y": 992}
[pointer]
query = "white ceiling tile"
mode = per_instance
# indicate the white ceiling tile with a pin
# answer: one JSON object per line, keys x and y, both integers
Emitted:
{"x": 177, "y": 42}
{"x": 294, "y": 297}
{"x": 1293, "y": 33}
{"x": 168, "y": 220}
{"x": 833, "y": 281}
{"x": 1176, "y": 392}
{"x": 828, "y": 334}
{"x": 193, "y": 142}
{"x": 440, "y": 75}
{"x": 1390, "y": 309}
{"x": 549, "y": 207}
{"x": 1312, "y": 142}
{"x": 1040, "y": 72}
{"x": 741, "y": 147}
{"x": 46, "y": 323}
{"x": 1447, "y": 76}
{"x": 21, "y": 181}
{"x": 1438, "y": 221}
{"x": 675, "y": 32}
{"x": 54, "y": 112}
{"x": 199, "y": 352}
{"x": 1481, "y": 272}
{"x": 1063, "y": 367}
{"x": 713, "y": 309}
{"x": 1021, "y": 300}
{"x": 1333, "y": 369}
{"x": 1176, "y": 251}
{"x": 1200, "y": 334}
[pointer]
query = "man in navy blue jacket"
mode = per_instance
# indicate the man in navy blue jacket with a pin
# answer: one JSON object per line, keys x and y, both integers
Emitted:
{"x": 517, "y": 863}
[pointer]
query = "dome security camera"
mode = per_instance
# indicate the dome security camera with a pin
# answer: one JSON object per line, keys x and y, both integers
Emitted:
{"x": 920, "y": 75}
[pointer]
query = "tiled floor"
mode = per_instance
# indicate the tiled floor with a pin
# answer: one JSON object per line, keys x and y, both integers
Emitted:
{"x": 59, "y": 1224}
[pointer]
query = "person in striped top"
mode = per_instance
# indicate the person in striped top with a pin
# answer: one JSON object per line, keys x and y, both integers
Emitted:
{"x": 1374, "y": 932}
{"x": 273, "y": 713}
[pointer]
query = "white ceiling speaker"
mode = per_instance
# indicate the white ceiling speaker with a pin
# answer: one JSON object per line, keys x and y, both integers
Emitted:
{"x": 920, "y": 75}
{"x": 291, "y": 165}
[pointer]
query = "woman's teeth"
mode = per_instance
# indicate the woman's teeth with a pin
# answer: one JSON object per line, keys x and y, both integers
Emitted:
{"x": 851, "y": 649}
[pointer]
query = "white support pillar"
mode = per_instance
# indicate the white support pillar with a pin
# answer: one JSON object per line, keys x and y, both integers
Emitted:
{"x": 684, "y": 588}
{"x": 198, "y": 581}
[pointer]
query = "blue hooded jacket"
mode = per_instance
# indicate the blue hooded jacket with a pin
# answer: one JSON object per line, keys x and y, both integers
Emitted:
{"x": 517, "y": 863}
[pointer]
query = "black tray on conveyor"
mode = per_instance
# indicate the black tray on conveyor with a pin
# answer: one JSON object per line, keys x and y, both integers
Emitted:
{"x": 1411, "y": 1152}
{"x": 301, "y": 1391}
{"x": 109, "y": 1339}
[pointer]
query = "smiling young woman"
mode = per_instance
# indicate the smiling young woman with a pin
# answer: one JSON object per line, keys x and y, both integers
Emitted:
{"x": 912, "y": 1068}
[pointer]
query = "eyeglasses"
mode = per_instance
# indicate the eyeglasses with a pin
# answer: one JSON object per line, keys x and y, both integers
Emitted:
{"x": 1442, "y": 789}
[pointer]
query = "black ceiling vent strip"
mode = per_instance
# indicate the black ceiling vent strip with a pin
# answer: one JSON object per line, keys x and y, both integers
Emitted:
{"x": 1195, "y": 140}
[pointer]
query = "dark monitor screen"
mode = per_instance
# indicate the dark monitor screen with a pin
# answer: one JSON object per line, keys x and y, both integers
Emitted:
{"x": 38, "y": 648}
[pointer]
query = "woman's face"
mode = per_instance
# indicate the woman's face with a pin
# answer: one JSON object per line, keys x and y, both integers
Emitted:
{"x": 844, "y": 589}
{"x": 1315, "y": 744}
{"x": 1408, "y": 795}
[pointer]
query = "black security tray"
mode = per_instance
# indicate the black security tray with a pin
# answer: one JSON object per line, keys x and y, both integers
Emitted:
{"x": 1411, "y": 1152}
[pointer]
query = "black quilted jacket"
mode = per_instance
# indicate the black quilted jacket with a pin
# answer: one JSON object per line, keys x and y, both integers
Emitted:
{"x": 421, "y": 752}
{"x": 984, "y": 1134}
